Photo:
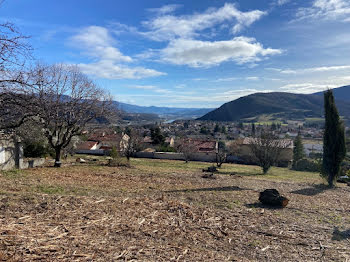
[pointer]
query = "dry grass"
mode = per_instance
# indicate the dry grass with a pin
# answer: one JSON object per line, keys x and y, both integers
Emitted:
{"x": 165, "y": 211}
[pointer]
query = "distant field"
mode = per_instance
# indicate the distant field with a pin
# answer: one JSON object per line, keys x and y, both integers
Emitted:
{"x": 314, "y": 120}
{"x": 160, "y": 210}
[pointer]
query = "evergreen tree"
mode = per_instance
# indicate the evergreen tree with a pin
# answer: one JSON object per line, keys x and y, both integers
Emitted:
{"x": 217, "y": 128}
{"x": 298, "y": 151}
{"x": 253, "y": 129}
{"x": 223, "y": 130}
{"x": 127, "y": 131}
{"x": 333, "y": 140}
{"x": 204, "y": 130}
{"x": 157, "y": 136}
{"x": 273, "y": 126}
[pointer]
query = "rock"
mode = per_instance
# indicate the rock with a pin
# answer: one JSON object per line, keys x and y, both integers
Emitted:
{"x": 80, "y": 160}
{"x": 210, "y": 169}
{"x": 272, "y": 197}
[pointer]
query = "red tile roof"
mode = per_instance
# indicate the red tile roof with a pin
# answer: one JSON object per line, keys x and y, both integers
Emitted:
{"x": 87, "y": 145}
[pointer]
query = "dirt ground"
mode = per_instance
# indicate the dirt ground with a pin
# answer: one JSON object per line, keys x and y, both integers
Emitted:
{"x": 161, "y": 211}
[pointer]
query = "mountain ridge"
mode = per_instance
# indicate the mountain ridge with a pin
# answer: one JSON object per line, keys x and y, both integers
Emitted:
{"x": 280, "y": 104}
{"x": 172, "y": 112}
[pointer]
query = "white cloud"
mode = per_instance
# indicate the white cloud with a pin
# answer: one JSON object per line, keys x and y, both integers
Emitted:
{"x": 196, "y": 53}
{"x": 97, "y": 42}
{"x": 165, "y": 9}
{"x": 313, "y": 69}
{"x": 150, "y": 88}
{"x": 142, "y": 87}
{"x": 252, "y": 78}
{"x": 199, "y": 79}
{"x": 306, "y": 88}
{"x": 168, "y": 27}
{"x": 282, "y": 2}
{"x": 326, "y": 9}
{"x": 109, "y": 70}
{"x": 226, "y": 79}
{"x": 181, "y": 86}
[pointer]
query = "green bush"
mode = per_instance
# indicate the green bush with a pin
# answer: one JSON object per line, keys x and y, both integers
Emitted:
{"x": 345, "y": 168}
{"x": 165, "y": 148}
{"x": 35, "y": 149}
{"x": 114, "y": 153}
{"x": 307, "y": 165}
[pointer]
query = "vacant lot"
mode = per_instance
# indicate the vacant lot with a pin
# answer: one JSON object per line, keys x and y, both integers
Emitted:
{"x": 165, "y": 211}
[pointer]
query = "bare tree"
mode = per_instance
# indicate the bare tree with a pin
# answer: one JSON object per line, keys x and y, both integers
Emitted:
{"x": 267, "y": 149}
{"x": 187, "y": 147}
{"x": 133, "y": 145}
{"x": 221, "y": 154}
{"x": 61, "y": 100}
{"x": 14, "y": 53}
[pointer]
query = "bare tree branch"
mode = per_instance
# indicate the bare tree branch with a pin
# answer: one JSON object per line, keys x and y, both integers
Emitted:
{"x": 60, "y": 99}
{"x": 267, "y": 149}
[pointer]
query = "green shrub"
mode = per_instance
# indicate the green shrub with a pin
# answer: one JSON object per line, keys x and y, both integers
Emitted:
{"x": 35, "y": 149}
{"x": 307, "y": 165}
{"x": 165, "y": 148}
{"x": 114, "y": 153}
{"x": 117, "y": 160}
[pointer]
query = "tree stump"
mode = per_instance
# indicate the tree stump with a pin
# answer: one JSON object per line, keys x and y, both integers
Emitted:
{"x": 272, "y": 197}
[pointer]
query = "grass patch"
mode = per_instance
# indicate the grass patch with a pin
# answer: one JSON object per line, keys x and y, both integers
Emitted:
{"x": 49, "y": 189}
{"x": 275, "y": 173}
{"x": 13, "y": 173}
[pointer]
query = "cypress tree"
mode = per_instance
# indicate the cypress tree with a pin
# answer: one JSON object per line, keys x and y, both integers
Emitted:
{"x": 298, "y": 150}
{"x": 333, "y": 140}
{"x": 253, "y": 129}
{"x": 216, "y": 128}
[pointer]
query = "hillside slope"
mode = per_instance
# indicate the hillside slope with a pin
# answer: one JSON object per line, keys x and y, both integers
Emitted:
{"x": 340, "y": 93}
{"x": 283, "y": 105}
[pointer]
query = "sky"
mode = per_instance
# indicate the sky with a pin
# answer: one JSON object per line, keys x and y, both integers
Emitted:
{"x": 198, "y": 53}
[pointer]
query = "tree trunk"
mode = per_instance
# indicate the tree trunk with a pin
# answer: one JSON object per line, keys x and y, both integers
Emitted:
{"x": 58, "y": 157}
{"x": 272, "y": 197}
{"x": 331, "y": 181}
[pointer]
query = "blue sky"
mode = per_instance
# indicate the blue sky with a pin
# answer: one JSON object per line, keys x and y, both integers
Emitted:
{"x": 199, "y": 53}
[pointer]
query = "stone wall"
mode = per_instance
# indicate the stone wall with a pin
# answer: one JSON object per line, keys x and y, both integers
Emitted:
{"x": 203, "y": 157}
{"x": 11, "y": 154}
{"x": 30, "y": 163}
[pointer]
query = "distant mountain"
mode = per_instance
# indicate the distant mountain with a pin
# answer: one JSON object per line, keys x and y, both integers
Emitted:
{"x": 340, "y": 93}
{"x": 276, "y": 104}
{"x": 168, "y": 112}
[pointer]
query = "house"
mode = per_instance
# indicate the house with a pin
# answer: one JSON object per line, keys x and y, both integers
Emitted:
{"x": 206, "y": 146}
{"x": 147, "y": 140}
{"x": 88, "y": 145}
{"x": 101, "y": 143}
{"x": 192, "y": 149}
{"x": 170, "y": 141}
{"x": 119, "y": 141}
{"x": 242, "y": 151}
{"x": 11, "y": 152}
{"x": 200, "y": 150}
